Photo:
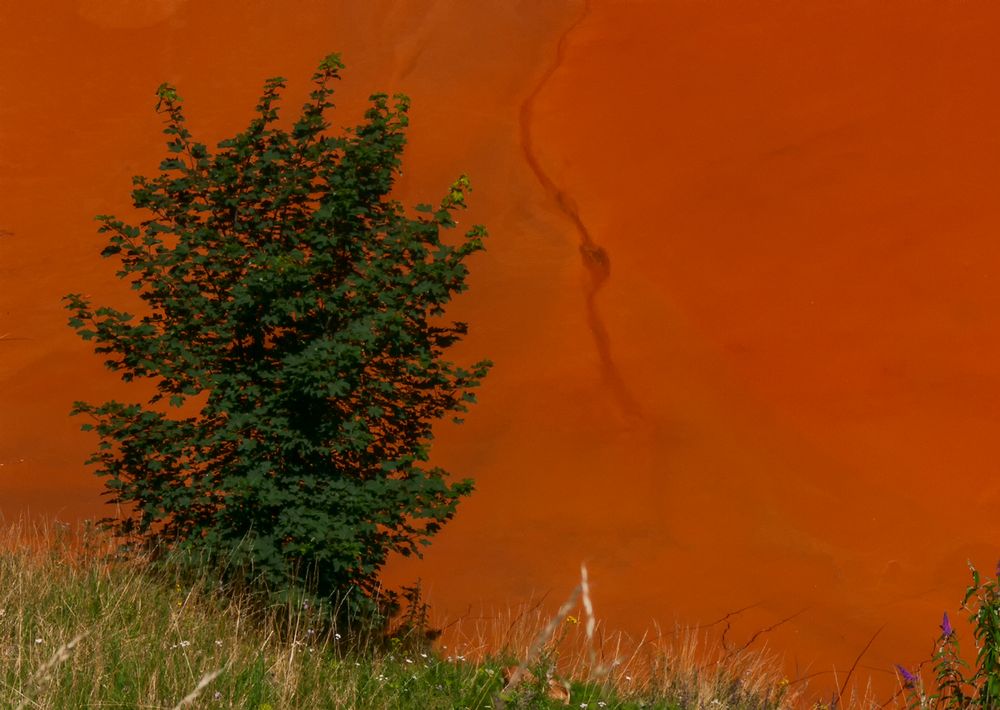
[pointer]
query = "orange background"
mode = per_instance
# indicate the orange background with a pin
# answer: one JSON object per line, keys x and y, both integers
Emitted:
{"x": 771, "y": 374}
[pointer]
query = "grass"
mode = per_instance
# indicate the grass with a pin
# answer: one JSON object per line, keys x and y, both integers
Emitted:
{"x": 79, "y": 629}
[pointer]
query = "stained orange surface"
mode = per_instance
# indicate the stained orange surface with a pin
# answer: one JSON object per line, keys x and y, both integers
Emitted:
{"x": 741, "y": 291}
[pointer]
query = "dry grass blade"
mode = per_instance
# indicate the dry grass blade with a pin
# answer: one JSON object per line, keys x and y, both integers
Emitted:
{"x": 843, "y": 688}
{"x": 588, "y": 608}
{"x": 202, "y": 684}
{"x": 543, "y": 637}
{"x": 60, "y": 656}
{"x": 547, "y": 632}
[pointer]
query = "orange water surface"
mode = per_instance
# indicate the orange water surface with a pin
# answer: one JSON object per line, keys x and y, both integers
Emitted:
{"x": 742, "y": 288}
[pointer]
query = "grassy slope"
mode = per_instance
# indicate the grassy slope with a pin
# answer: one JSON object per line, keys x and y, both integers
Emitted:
{"x": 76, "y": 633}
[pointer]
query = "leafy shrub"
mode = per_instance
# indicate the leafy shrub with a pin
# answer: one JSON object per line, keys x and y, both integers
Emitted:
{"x": 956, "y": 687}
{"x": 293, "y": 329}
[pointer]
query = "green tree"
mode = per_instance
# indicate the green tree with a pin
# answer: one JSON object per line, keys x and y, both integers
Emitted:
{"x": 294, "y": 330}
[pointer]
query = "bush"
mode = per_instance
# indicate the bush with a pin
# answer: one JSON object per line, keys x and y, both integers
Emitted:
{"x": 293, "y": 329}
{"x": 956, "y": 687}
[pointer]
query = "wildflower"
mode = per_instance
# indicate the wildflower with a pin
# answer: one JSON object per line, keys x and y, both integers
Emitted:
{"x": 184, "y": 644}
{"x": 946, "y": 630}
{"x": 336, "y": 637}
{"x": 583, "y": 705}
{"x": 217, "y": 695}
{"x": 601, "y": 704}
{"x": 218, "y": 642}
{"x": 408, "y": 660}
{"x": 909, "y": 679}
{"x": 423, "y": 655}
{"x": 38, "y": 641}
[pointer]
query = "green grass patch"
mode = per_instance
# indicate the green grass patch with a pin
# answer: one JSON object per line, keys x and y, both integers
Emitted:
{"x": 80, "y": 631}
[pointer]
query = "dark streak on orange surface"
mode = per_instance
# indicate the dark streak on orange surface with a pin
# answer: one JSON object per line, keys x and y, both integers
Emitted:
{"x": 800, "y": 199}
{"x": 596, "y": 260}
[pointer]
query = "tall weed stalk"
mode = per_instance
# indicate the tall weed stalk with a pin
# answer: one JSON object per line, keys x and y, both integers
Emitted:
{"x": 956, "y": 684}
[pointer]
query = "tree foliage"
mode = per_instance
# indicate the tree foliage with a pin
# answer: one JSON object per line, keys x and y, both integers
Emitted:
{"x": 294, "y": 330}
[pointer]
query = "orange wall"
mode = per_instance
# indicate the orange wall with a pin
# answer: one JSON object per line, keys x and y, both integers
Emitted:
{"x": 772, "y": 378}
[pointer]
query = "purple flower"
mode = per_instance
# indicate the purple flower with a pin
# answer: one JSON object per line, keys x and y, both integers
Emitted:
{"x": 946, "y": 630}
{"x": 909, "y": 679}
